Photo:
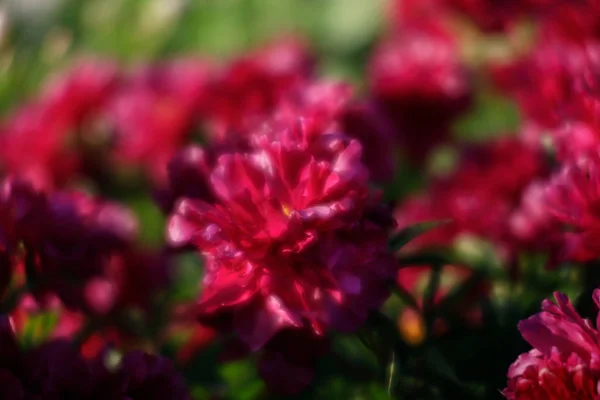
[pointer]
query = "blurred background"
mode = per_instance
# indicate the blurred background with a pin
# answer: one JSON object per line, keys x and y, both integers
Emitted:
{"x": 39, "y": 38}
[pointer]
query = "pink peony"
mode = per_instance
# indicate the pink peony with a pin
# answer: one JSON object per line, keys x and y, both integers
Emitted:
{"x": 565, "y": 360}
{"x": 291, "y": 243}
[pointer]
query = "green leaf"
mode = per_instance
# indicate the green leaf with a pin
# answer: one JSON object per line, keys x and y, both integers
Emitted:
{"x": 411, "y": 232}
{"x": 429, "y": 295}
{"x": 424, "y": 259}
{"x": 380, "y": 336}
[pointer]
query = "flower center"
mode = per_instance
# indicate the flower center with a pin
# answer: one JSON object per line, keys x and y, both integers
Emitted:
{"x": 287, "y": 210}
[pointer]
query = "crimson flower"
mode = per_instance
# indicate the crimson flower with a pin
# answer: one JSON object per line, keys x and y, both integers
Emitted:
{"x": 291, "y": 242}
{"x": 565, "y": 360}
{"x": 572, "y": 197}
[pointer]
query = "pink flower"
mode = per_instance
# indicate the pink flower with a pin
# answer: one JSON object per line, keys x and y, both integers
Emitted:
{"x": 249, "y": 88}
{"x": 532, "y": 225}
{"x": 565, "y": 361}
{"x": 572, "y": 196}
{"x": 38, "y": 141}
{"x": 327, "y": 109}
{"x": 479, "y": 196}
{"x": 545, "y": 82}
{"x": 153, "y": 114}
{"x": 82, "y": 91}
{"x": 32, "y": 145}
{"x": 290, "y": 243}
{"x": 414, "y": 76}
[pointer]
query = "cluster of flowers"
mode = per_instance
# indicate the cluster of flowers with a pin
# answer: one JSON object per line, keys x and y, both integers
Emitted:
{"x": 535, "y": 191}
{"x": 268, "y": 172}
{"x": 278, "y": 201}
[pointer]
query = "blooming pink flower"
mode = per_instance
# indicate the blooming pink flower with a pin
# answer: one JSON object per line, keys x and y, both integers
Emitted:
{"x": 565, "y": 360}
{"x": 414, "y": 76}
{"x": 288, "y": 244}
{"x": 327, "y": 109}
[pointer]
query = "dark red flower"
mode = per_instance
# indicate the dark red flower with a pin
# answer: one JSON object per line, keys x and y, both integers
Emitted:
{"x": 20, "y": 212}
{"x": 142, "y": 376}
{"x": 188, "y": 173}
{"x": 418, "y": 79}
{"x": 565, "y": 361}
{"x": 56, "y": 370}
{"x": 66, "y": 237}
{"x": 131, "y": 278}
{"x": 249, "y": 88}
